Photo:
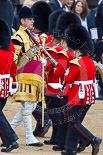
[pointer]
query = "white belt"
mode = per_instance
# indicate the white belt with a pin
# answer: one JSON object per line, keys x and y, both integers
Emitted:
{"x": 4, "y": 76}
{"x": 83, "y": 82}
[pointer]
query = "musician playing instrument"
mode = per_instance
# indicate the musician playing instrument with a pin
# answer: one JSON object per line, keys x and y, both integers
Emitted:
{"x": 40, "y": 30}
{"x": 81, "y": 75}
{"x": 29, "y": 90}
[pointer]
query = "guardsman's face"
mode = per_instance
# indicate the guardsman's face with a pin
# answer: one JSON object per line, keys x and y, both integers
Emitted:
{"x": 27, "y": 22}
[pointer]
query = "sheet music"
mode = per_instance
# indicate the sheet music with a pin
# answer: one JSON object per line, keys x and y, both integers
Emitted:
{"x": 94, "y": 33}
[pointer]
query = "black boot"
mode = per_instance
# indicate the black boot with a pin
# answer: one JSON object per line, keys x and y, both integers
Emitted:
{"x": 95, "y": 145}
{"x": 13, "y": 145}
{"x": 52, "y": 140}
{"x": 41, "y": 131}
{"x": 58, "y": 148}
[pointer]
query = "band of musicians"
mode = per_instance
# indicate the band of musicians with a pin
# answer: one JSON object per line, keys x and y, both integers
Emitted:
{"x": 50, "y": 66}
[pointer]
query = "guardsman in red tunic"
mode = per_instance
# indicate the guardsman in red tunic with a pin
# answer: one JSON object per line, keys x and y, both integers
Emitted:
{"x": 82, "y": 77}
{"x": 57, "y": 51}
{"x": 8, "y": 70}
{"x": 41, "y": 32}
{"x": 64, "y": 56}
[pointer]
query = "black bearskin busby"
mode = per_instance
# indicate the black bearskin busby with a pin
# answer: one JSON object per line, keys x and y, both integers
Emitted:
{"x": 5, "y": 35}
{"x": 65, "y": 20}
{"x": 41, "y": 11}
{"x": 78, "y": 38}
{"x": 53, "y": 20}
{"x": 6, "y": 11}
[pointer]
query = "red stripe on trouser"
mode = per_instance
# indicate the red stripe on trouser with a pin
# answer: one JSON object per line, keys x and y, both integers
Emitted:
{"x": 4, "y": 137}
{"x": 82, "y": 132}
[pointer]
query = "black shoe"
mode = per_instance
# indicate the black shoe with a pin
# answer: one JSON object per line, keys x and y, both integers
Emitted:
{"x": 41, "y": 131}
{"x": 68, "y": 152}
{"x": 39, "y": 144}
{"x": 95, "y": 145}
{"x": 49, "y": 142}
{"x": 58, "y": 148}
{"x": 13, "y": 145}
{"x": 45, "y": 129}
{"x": 80, "y": 148}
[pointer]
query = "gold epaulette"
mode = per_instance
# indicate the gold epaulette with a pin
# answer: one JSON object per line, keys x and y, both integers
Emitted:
{"x": 52, "y": 49}
{"x": 62, "y": 51}
{"x": 95, "y": 63}
{"x": 15, "y": 56}
{"x": 75, "y": 61}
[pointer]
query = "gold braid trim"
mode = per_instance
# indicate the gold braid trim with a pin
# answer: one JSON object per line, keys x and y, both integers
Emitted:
{"x": 75, "y": 61}
{"x": 30, "y": 88}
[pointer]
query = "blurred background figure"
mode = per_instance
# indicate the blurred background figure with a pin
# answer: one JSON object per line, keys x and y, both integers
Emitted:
{"x": 95, "y": 19}
{"x": 28, "y": 3}
{"x": 81, "y": 9}
{"x": 57, "y": 4}
{"x": 69, "y": 5}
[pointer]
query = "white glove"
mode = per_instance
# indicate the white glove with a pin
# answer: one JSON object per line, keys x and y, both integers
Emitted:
{"x": 43, "y": 61}
{"x": 66, "y": 72}
{"x": 14, "y": 90}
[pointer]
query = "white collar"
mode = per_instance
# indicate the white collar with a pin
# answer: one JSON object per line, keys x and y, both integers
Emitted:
{"x": 60, "y": 3}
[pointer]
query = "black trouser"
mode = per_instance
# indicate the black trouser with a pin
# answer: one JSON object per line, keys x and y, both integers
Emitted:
{"x": 54, "y": 108}
{"x": 63, "y": 123}
{"x": 37, "y": 114}
{"x": 76, "y": 131}
{"x": 6, "y": 132}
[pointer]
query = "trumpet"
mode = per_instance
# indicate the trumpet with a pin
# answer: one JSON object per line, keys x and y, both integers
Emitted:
{"x": 52, "y": 60}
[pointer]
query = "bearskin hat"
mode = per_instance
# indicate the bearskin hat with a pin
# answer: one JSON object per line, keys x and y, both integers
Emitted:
{"x": 53, "y": 20}
{"x": 41, "y": 11}
{"x": 78, "y": 38}
{"x": 6, "y": 11}
{"x": 5, "y": 35}
{"x": 65, "y": 20}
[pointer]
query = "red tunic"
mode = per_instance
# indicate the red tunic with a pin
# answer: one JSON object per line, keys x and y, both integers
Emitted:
{"x": 52, "y": 77}
{"x": 7, "y": 66}
{"x": 82, "y": 69}
{"x": 63, "y": 64}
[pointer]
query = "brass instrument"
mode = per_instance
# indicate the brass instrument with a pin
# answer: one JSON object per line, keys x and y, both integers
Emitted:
{"x": 43, "y": 38}
{"x": 52, "y": 60}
